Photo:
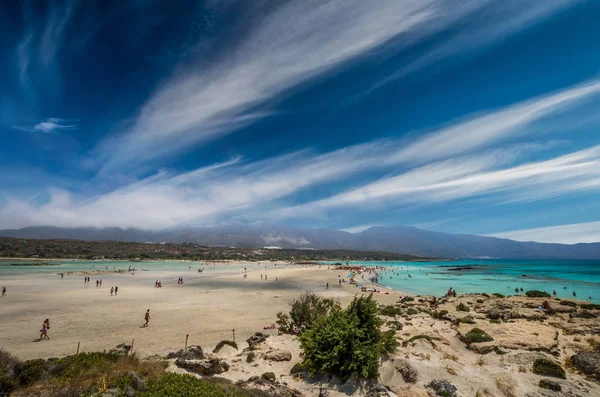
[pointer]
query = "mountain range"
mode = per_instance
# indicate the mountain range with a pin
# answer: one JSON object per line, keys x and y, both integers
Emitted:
{"x": 397, "y": 239}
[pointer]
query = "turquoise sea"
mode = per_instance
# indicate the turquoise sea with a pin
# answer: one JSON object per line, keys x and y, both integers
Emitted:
{"x": 426, "y": 278}
{"x": 493, "y": 275}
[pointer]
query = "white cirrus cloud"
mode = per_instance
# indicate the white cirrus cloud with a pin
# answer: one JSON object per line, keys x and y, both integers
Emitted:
{"x": 290, "y": 45}
{"x": 588, "y": 232}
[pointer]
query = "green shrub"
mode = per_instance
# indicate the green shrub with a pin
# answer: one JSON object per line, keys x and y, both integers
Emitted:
{"x": 537, "y": 294}
{"x": 461, "y": 307}
{"x": 407, "y": 299}
{"x": 250, "y": 357}
{"x": 347, "y": 342}
{"x": 175, "y": 385}
{"x": 269, "y": 376}
{"x": 497, "y": 295}
{"x": 477, "y": 335}
{"x": 495, "y": 321}
{"x": 30, "y": 371}
{"x": 416, "y": 337}
{"x": 546, "y": 367}
{"x": 223, "y": 343}
{"x": 390, "y": 310}
{"x": 443, "y": 312}
{"x": 8, "y": 362}
{"x": 412, "y": 312}
{"x": 305, "y": 311}
{"x": 73, "y": 366}
{"x": 466, "y": 320}
{"x": 589, "y": 306}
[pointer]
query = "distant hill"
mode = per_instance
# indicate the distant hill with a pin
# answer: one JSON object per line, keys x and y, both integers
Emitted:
{"x": 398, "y": 239}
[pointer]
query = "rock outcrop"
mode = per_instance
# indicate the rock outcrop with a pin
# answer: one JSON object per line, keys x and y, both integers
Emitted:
{"x": 213, "y": 366}
{"x": 588, "y": 363}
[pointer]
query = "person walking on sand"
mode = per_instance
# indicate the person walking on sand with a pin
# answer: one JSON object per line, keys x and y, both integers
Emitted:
{"x": 101, "y": 282}
{"x": 3, "y": 291}
{"x": 112, "y": 290}
{"x": 116, "y": 289}
{"x": 147, "y": 318}
{"x": 97, "y": 283}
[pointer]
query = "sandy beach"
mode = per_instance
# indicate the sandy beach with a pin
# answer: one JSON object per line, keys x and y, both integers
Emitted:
{"x": 207, "y": 307}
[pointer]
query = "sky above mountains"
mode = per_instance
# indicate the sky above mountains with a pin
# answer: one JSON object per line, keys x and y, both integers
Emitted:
{"x": 474, "y": 116}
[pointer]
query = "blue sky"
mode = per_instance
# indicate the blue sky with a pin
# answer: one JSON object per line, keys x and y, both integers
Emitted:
{"x": 474, "y": 116}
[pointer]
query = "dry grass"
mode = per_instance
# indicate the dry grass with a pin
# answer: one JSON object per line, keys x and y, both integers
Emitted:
{"x": 450, "y": 370}
{"x": 480, "y": 361}
{"x": 522, "y": 369}
{"x": 506, "y": 385}
{"x": 452, "y": 357}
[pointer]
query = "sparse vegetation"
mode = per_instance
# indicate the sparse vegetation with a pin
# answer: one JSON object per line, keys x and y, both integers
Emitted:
{"x": 537, "y": 294}
{"x": 522, "y": 369}
{"x": 461, "y": 307}
{"x": 452, "y": 357}
{"x": 466, "y": 320}
{"x": 348, "y": 341}
{"x": 480, "y": 361}
{"x": 412, "y": 312}
{"x": 408, "y": 372}
{"x": 495, "y": 321}
{"x": 305, "y": 312}
{"x": 450, "y": 370}
{"x": 546, "y": 367}
{"x": 250, "y": 357}
{"x": 477, "y": 335}
{"x": 506, "y": 385}
{"x": 549, "y": 385}
{"x": 175, "y": 385}
{"x": 589, "y": 306}
{"x": 416, "y": 337}
{"x": 270, "y": 376}
{"x": 223, "y": 343}
{"x": 497, "y": 295}
{"x": 390, "y": 310}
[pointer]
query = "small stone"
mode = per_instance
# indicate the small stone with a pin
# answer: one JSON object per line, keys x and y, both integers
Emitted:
{"x": 550, "y": 385}
{"x": 442, "y": 388}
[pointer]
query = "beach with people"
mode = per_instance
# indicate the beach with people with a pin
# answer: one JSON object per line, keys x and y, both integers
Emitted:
{"x": 171, "y": 305}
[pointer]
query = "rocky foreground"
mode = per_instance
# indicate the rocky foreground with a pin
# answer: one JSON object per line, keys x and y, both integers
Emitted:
{"x": 470, "y": 345}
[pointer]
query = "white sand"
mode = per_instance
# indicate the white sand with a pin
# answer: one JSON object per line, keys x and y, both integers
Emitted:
{"x": 207, "y": 307}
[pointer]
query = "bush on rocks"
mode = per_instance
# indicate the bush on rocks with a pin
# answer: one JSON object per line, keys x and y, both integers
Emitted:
{"x": 461, "y": 307}
{"x": 537, "y": 294}
{"x": 543, "y": 366}
{"x": 477, "y": 335}
{"x": 270, "y": 376}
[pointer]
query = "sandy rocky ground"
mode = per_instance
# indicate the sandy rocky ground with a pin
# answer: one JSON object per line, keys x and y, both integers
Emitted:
{"x": 441, "y": 364}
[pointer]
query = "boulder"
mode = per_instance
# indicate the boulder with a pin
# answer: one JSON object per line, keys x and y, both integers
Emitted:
{"x": 136, "y": 382}
{"x": 268, "y": 388}
{"x": 377, "y": 390}
{"x": 588, "y": 363}
{"x": 442, "y": 388}
{"x": 122, "y": 349}
{"x": 583, "y": 314}
{"x": 255, "y": 339}
{"x": 568, "y": 303}
{"x": 278, "y": 355}
{"x": 191, "y": 353}
{"x": 213, "y": 366}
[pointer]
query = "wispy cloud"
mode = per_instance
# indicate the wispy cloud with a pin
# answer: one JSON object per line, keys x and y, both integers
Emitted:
{"x": 588, "y": 232}
{"x": 469, "y": 177}
{"x": 358, "y": 228}
{"x": 52, "y": 37}
{"x": 50, "y": 125}
{"x": 238, "y": 188}
{"x": 291, "y": 45}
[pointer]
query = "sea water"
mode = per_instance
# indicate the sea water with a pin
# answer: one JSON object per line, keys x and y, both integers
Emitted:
{"x": 493, "y": 275}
